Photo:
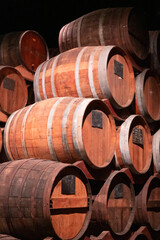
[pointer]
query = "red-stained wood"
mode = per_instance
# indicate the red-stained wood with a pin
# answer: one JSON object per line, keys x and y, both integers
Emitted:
{"x": 64, "y": 129}
{"x": 134, "y": 146}
{"x": 156, "y": 150}
{"x": 105, "y": 235}
{"x": 141, "y": 234}
{"x": 27, "y": 48}
{"x": 124, "y": 27}
{"x": 3, "y": 117}
{"x": 25, "y": 73}
{"x": 148, "y": 95}
{"x": 13, "y": 90}
{"x": 148, "y": 205}
{"x": 99, "y": 72}
{"x": 154, "y": 51}
{"x": 114, "y": 205}
{"x": 48, "y": 192}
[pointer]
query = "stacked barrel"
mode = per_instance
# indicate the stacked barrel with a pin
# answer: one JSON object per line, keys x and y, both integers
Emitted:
{"x": 82, "y": 159}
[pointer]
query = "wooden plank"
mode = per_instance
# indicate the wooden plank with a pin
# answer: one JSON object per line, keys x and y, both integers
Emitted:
{"x": 25, "y": 73}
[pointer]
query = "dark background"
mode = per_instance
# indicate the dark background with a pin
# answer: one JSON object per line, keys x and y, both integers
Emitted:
{"x": 48, "y": 17}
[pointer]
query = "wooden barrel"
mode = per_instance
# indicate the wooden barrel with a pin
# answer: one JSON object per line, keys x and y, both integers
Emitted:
{"x": 134, "y": 145}
{"x": 148, "y": 205}
{"x": 148, "y": 95}
{"x": 7, "y": 237}
{"x": 26, "y": 48}
{"x": 64, "y": 129}
{"x": 13, "y": 90}
{"x": 141, "y": 234}
{"x": 123, "y": 27}
{"x": 41, "y": 198}
{"x": 0, "y": 139}
{"x": 114, "y": 205}
{"x": 156, "y": 150}
{"x": 99, "y": 72}
{"x": 154, "y": 40}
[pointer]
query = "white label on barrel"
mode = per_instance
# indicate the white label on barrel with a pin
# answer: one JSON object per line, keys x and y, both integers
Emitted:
{"x": 97, "y": 121}
{"x": 118, "y": 69}
{"x": 137, "y": 136}
{"x": 8, "y": 84}
{"x": 68, "y": 185}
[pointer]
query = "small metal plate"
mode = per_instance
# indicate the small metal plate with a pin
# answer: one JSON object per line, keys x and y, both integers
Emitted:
{"x": 97, "y": 121}
{"x": 118, "y": 191}
{"x": 137, "y": 136}
{"x": 118, "y": 68}
{"x": 9, "y": 84}
{"x": 68, "y": 185}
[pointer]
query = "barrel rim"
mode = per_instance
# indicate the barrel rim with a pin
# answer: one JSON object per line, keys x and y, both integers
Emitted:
{"x": 107, "y": 188}
{"x": 140, "y": 82}
{"x": 51, "y": 183}
{"x": 20, "y": 45}
{"x": 155, "y": 146}
{"x": 124, "y": 147}
{"x": 101, "y": 106}
{"x": 22, "y": 81}
{"x": 118, "y": 50}
{"x": 146, "y": 190}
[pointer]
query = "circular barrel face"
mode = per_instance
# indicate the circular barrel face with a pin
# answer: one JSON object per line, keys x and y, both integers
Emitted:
{"x": 119, "y": 207}
{"x": 69, "y": 207}
{"x": 152, "y": 96}
{"x": 13, "y": 90}
{"x": 120, "y": 80}
{"x": 138, "y": 34}
{"x": 138, "y": 147}
{"x": 33, "y": 49}
{"x": 153, "y": 208}
{"x": 98, "y": 138}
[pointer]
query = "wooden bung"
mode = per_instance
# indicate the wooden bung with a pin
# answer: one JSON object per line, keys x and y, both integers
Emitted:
{"x": 98, "y": 72}
{"x": 134, "y": 145}
{"x": 13, "y": 90}
{"x": 124, "y": 27}
{"x": 148, "y": 95}
{"x": 43, "y": 198}
{"x": 148, "y": 205}
{"x": 63, "y": 129}
{"x": 26, "y": 48}
{"x": 114, "y": 205}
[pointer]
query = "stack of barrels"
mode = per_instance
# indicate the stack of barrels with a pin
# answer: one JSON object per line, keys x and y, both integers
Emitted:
{"x": 82, "y": 160}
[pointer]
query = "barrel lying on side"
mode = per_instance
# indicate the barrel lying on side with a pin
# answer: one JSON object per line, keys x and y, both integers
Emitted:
{"x": 148, "y": 205}
{"x": 156, "y": 150}
{"x": 27, "y": 48}
{"x": 64, "y": 129}
{"x": 134, "y": 145}
{"x": 123, "y": 27}
{"x": 148, "y": 95}
{"x": 41, "y": 198}
{"x": 154, "y": 40}
{"x": 114, "y": 205}
{"x": 13, "y": 90}
{"x": 99, "y": 72}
